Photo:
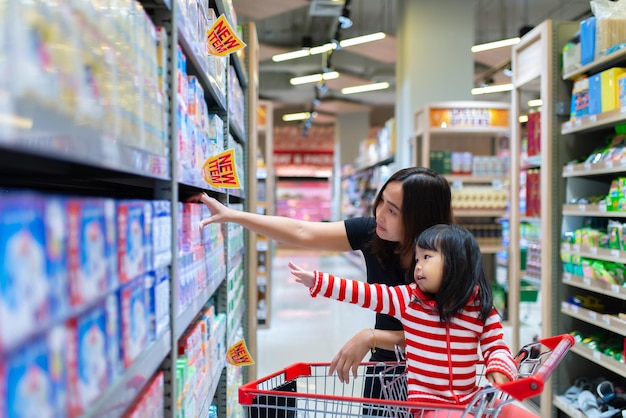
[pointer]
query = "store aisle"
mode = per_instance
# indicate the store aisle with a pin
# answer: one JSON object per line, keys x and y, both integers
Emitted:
{"x": 306, "y": 329}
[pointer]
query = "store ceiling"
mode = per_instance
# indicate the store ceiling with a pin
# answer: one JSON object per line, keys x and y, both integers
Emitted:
{"x": 282, "y": 26}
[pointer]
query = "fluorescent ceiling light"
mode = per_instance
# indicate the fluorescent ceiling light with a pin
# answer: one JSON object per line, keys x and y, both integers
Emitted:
{"x": 498, "y": 88}
{"x": 362, "y": 39}
{"x": 314, "y": 78}
{"x": 535, "y": 103}
{"x": 291, "y": 117}
{"x": 523, "y": 119}
{"x": 301, "y": 53}
{"x": 494, "y": 45}
{"x": 364, "y": 88}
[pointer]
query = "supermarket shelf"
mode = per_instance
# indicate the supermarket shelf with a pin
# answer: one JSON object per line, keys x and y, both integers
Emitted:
{"x": 606, "y": 254}
{"x": 597, "y": 65}
{"x": 562, "y": 404}
{"x": 215, "y": 379}
{"x": 604, "y": 321}
{"x": 599, "y": 358}
{"x": 594, "y": 122}
{"x": 237, "y": 324}
{"x": 487, "y": 213}
{"x": 479, "y": 130}
{"x": 589, "y": 169}
{"x": 530, "y": 162}
{"x": 189, "y": 313}
{"x": 119, "y": 397}
{"x": 471, "y": 179}
{"x": 533, "y": 281}
{"x": 491, "y": 249}
{"x": 358, "y": 170}
{"x": 55, "y": 136}
{"x": 216, "y": 99}
{"x": 591, "y": 210}
{"x": 596, "y": 286}
{"x": 238, "y": 133}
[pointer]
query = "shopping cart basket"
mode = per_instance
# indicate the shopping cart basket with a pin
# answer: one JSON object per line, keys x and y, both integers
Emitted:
{"x": 306, "y": 390}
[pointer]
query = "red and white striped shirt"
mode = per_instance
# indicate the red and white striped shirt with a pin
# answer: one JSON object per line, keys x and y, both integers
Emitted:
{"x": 441, "y": 357}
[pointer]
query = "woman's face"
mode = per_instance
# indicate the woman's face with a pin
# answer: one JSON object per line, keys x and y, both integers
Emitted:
{"x": 388, "y": 213}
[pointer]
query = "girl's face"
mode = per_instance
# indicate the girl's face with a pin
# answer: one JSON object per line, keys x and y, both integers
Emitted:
{"x": 428, "y": 273}
{"x": 388, "y": 214}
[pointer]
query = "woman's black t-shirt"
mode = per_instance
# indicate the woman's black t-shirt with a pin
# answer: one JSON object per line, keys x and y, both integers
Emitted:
{"x": 361, "y": 232}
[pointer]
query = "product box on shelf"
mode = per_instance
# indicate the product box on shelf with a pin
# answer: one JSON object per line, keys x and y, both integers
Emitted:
{"x": 161, "y": 233}
{"x": 88, "y": 373}
{"x": 55, "y": 221}
{"x": 134, "y": 319}
{"x": 87, "y": 252}
{"x": 587, "y": 40}
{"x": 113, "y": 334}
{"x": 24, "y": 286}
{"x": 26, "y": 383}
{"x": 595, "y": 95}
{"x": 131, "y": 221}
{"x": 609, "y": 88}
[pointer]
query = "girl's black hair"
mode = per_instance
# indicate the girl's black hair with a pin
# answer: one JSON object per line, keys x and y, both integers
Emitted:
{"x": 426, "y": 201}
{"x": 462, "y": 269}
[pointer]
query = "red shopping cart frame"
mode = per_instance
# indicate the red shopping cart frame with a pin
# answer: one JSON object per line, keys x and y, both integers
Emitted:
{"x": 277, "y": 384}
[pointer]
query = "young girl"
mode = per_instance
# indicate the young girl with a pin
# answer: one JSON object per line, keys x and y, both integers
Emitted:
{"x": 447, "y": 315}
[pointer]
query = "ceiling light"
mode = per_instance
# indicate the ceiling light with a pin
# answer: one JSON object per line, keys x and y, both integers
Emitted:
{"x": 291, "y": 117}
{"x": 535, "y": 103}
{"x": 362, "y": 39}
{"x": 494, "y": 45}
{"x": 364, "y": 88}
{"x": 16, "y": 121}
{"x": 498, "y": 88}
{"x": 523, "y": 119}
{"x": 313, "y": 78}
{"x": 301, "y": 53}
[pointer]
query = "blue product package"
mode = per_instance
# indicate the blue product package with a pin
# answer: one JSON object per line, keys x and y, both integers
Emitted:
{"x": 86, "y": 250}
{"x": 57, "y": 356}
{"x": 114, "y": 335}
{"x": 150, "y": 300}
{"x": 110, "y": 219}
{"x": 134, "y": 320}
{"x": 162, "y": 300}
{"x": 595, "y": 95}
{"x": 29, "y": 389}
{"x": 93, "y": 372}
{"x": 587, "y": 40}
{"x": 56, "y": 226}
{"x": 147, "y": 236}
{"x": 131, "y": 256}
{"x": 24, "y": 286}
{"x": 162, "y": 233}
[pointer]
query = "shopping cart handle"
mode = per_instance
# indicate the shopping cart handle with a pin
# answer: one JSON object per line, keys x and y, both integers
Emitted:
{"x": 532, "y": 386}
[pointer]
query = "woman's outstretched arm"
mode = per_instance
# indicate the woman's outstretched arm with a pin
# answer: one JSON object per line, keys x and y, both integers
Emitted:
{"x": 329, "y": 236}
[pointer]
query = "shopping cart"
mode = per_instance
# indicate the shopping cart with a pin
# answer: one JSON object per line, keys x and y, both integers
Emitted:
{"x": 306, "y": 390}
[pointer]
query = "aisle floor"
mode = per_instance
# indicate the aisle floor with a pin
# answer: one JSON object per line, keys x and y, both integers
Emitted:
{"x": 305, "y": 329}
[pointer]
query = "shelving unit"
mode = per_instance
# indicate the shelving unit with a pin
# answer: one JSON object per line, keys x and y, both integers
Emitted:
{"x": 127, "y": 150}
{"x": 580, "y": 137}
{"x": 479, "y": 133}
{"x": 535, "y": 158}
{"x": 266, "y": 202}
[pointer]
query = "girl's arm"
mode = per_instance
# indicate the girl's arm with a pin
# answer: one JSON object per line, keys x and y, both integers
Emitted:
{"x": 330, "y": 236}
{"x": 500, "y": 365}
{"x": 377, "y": 297}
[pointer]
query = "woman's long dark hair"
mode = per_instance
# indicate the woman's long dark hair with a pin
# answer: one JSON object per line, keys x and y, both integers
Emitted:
{"x": 462, "y": 269}
{"x": 426, "y": 200}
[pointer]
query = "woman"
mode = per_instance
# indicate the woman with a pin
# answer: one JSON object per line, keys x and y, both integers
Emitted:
{"x": 409, "y": 202}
